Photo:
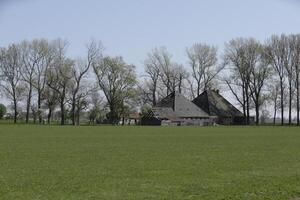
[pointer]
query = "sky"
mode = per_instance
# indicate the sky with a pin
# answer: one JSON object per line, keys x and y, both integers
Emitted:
{"x": 132, "y": 28}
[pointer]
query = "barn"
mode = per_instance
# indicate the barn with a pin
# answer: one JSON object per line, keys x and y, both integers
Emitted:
{"x": 218, "y": 107}
{"x": 175, "y": 109}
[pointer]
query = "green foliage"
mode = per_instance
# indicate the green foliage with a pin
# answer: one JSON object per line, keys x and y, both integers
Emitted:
{"x": 118, "y": 81}
{"x": 205, "y": 163}
{"x": 2, "y": 111}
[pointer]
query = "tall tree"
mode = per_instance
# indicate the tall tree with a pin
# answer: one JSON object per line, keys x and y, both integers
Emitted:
{"x": 203, "y": 61}
{"x": 278, "y": 54}
{"x": 45, "y": 51}
{"x": 31, "y": 57}
{"x": 59, "y": 76}
{"x": 260, "y": 71}
{"x": 273, "y": 97}
{"x": 163, "y": 58}
{"x": 10, "y": 75}
{"x": 179, "y": 76}
{"x": 289, "y": 71}
{"x": 152, "y": 70}
{"x": 295, "y": 51}
{"x": 117, "y": 80}
{"x": 79, "y": 70}
{"x": 237, "y": 59}
{"x": 51, "y": 101}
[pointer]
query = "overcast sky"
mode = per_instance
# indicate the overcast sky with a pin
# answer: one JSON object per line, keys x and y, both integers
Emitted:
{"x": 132, "y": 28}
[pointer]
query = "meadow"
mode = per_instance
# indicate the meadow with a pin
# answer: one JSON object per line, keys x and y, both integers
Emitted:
{"x": 106, "y": 162}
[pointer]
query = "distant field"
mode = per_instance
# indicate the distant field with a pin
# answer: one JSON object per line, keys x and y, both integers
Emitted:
{"x": 207, "y": 163}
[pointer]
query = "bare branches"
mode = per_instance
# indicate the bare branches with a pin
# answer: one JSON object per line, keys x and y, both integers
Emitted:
{"x": 203, "y": 61}
{"x": 10, "y": 73}
{"x": 80, "y": 69}
{"x": 279, "y": 54}
{"x": 49, "y": 77}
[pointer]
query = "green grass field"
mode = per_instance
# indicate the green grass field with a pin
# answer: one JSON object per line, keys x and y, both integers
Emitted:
{"x": 207, "y": 163}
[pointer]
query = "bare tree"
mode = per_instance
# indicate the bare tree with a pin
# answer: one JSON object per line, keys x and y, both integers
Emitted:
{"x": 259, "y": 73}
{"x": 289, "y": 71}
{"x": 10, "y": 75}
{"x": 278, "y": 54}
{"x": 152, "y": 70}
{"x": 51, "y": 100}
{"x": 46, "y": 51}
{"x": 295, "y": 50}
{"x": 237, "y": 60}
{"x": 59, "y": 76}
{"x": 165, "y": 75}
{"x": 163, "y": 58}
{"x": 79, "y": 70}
{"x": 274, "y": 94}
{"x": 31, "y": 57}
{"x": 180, "y": 75}
{"x": 38, "y": 74}
{"x": 162, "y": 75}
{"x": 203, "y": 61}
{"x": 34, "y": 113}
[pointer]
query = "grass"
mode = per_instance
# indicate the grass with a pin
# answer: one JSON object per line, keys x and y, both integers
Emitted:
{"x": 207, "y": 163}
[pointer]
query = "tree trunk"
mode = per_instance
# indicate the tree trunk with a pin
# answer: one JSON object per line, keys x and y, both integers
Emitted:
{"x": 28, "y": 103}
{"x": 154, "y": 94}
{"x": 62, "y": 110}
{"x": 39, "y": 105}
{"x": 180, "y": 85}
{"x": 169, "y": 87}
{"x": 15, "y": 110}
{"x": 77, "y": 114}
{"x": 245, "y": 115}
{"x": 112, "y": 114}
{"x": 247, "y": 105}
{"x": 78, "y": 117}
{"x": 198, "y": 88}
{"x": 290, "y": 102}
{"x": 257, "y": 112}
{"x": 123, "y": 121}
{"x": 281, "y": 102}
{"x": 73, "y": 110}
{"x": 298, "y": 102}
{"x": 275, "y": 112}
{"x": 49, "y": 115}
{"x": 34, "y": 118}
{"x": 154, "y": 97}
{"x": 244, "y": 106}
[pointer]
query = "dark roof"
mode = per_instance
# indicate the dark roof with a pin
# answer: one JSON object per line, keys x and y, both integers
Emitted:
{"x": 216, "y": 105}
{"x": 176, "y": 106}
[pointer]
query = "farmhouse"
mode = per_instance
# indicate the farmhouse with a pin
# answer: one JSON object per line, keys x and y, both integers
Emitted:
{"x": 175, "y": 109}
{"x": 218, "y": 107}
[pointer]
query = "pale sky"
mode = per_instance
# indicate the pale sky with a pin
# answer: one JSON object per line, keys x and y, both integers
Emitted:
{"x": 132, "y": 28}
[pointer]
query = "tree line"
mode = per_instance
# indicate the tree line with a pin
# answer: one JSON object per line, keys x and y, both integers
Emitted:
{"x": 39, "y": 79}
